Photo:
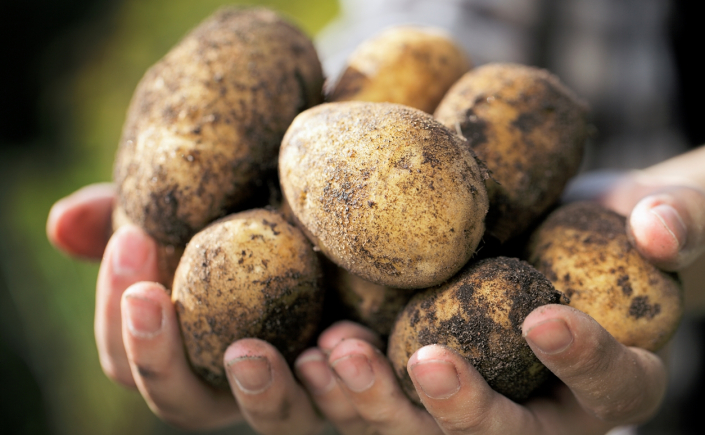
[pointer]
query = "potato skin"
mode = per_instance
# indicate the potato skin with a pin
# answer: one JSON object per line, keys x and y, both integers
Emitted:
{"x": 205, "y": 122}
{"x": 250, "y": 274}
{"x": 479, "y": 314}
{"x": 530, "y": 131}
{"x": 375, "y": 306}
{"x": 409, "y": 65}
{"x": 584, "y": 250}
{"x": 384, "y": 191}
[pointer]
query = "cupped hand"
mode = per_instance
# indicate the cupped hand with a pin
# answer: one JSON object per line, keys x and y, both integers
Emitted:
{"x": 138, "y": 337}
{"x": 664, "y": 205}
{"x": 139, "y": 343}
{"x": 603, "y": 384}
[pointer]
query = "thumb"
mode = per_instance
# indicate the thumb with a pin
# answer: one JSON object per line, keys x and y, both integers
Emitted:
{"x": 668, "y": 226}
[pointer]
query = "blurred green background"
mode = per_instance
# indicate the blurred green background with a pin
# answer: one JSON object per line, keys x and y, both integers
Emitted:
{"x": 69, "y": 70}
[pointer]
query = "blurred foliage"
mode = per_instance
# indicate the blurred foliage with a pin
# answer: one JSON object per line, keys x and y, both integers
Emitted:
{"x": 51, "y": 298}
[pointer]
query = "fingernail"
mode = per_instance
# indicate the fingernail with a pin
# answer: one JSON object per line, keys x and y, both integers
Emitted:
{"x": 129, "y": 254}
{"x": 672, "y": 221}
{"x": 144, "y": 316}
{"x": 550, "y": 336}
{"x": 355, "y": 371}
{"x": 315, "y": 373}
{"x": 438, "y": 379}
{"x": 252, "y": 374}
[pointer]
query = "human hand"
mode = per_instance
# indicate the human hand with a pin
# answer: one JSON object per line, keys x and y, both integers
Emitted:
{"x": 80, "y": 224}
{"x": 666, "y": 222}
{"x": 604, "y": 384}
{"x": 664, "y": 204}
{"x": 139, "y": 341}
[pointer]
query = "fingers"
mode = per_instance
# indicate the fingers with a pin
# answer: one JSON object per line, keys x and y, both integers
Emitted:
{"x": 270, "y": 399}
{"x": 614, "y": 383}
{"x": 668, "y": 227}
{"x": 345, "y": 329}
{"x": 130, "y": 257}
{"x": 160, "y": 368}
{"x": 366, "y": 378}
{"x": 460, "y": 400}
{"x": 316, "y": 374}
{"x": 79, "y": 224}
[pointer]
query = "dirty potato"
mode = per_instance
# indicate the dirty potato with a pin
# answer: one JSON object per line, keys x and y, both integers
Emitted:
{"x": 375, "y": 306}
{"x": 250, "y": 274}
{"x": 528, "y": 128}
{"x": 205, "y": 123}
{"x": 384, "y": 191}
{"x": 584, "y": 250}
{"x": 479, "y": 314}
{"x": 407, "y": 65}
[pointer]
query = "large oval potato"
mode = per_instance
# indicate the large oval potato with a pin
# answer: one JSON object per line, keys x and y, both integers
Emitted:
{"x": 206, "y": 121}
{"x": 250, "y": 274}
{"x": 409, "y": 65}
{"x": 584, "y": 250}
{"x": 479, "y": 314}
{"x": 384, "y": 191}
{"x": 530, "y": 131}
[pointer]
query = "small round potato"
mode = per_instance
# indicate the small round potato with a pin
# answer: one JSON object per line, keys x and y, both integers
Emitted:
{"x": 407, "y": 65}
{"x": 204, "y": 126}
{"x": 250, "y": 274}
{"x": 584, "y": 250}
{"x": 530, "y": 131}
{"x": 375, "y": 306}
{"x": 478, "y": 313}
{"x": 384, "y": 191}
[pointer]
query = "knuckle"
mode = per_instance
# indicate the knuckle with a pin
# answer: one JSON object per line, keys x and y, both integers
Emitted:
{"x": 118, "y": 374}
{"x": 461, "y": 424}
{"x": 272, "y": 412}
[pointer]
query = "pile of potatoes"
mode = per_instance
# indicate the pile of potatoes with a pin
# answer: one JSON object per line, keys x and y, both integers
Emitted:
{"x": 401, "y": 195}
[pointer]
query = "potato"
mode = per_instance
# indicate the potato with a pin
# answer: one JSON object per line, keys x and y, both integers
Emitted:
{"x": 478, "y": 313}
{"x": 204, "y": 126}
{"x": 375, "y": 306}
{"x": 250, "y": 274}
{"x": 384, "y": 191}
{"x": 584, "y": 250}
{"x": 530, "y": 131}
{"x": 407, "y": 65}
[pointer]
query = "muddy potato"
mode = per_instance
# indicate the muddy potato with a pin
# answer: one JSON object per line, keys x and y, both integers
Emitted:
{"x": 528, "y": 128}
{"x": 478, "y": 313}
{"x": 384, "y": 191}
{"x": 205, "y": 123}
{"x": 407, "y": 65}
{"x": 584, "y": 250}
{"x": 375, "y": 306}
{"x": 250, "y": 274}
